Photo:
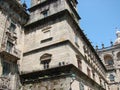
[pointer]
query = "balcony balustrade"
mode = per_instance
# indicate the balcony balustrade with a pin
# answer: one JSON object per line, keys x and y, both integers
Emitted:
{"x": 13, "y": 54}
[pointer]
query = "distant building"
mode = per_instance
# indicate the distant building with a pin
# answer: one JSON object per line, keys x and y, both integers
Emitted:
{"x": 111, "y": 59}
{"x": 47, "y": 50}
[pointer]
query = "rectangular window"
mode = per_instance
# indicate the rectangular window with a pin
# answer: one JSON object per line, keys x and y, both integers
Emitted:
{"x": 9, "y": 46}
{"x": 76, "y": 40}
{"x": 112, "y": 77}
{"x": 6, "y": 68}
{"x": 79, "y": 64}
{"x": 12, "y": 27}
{"x": 46, "y": 65}
{"x": 88, "y": 72}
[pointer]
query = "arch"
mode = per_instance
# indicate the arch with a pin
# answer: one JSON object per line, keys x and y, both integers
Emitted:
{"x": 46, "y": 57}
{"x": 118, "y": 56}
{"x": 108, "y": 59}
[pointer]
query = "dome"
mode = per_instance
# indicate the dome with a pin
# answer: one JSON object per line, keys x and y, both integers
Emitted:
{"x": 117, "y": 41}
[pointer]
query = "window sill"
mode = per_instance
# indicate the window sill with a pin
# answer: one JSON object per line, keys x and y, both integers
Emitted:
{"x": 46, "y": 40}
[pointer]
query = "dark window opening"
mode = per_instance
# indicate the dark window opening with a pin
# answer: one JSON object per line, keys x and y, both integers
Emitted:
{"x": 45, "y": 60}
{"x": 110, "y": 62}
{"x": 9, "y": 47}
{"x": 112, "y": 77}
{"x": 45, "y": 13}
{"x": 46, "y": 65}
{"x": 12, "y": 27}
{"x": 6, "y": 68}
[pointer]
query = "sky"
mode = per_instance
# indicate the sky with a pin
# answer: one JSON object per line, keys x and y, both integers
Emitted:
{"x": 100, "y": 20}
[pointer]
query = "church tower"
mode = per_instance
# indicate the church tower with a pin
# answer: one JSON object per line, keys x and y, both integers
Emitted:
{"x": 55, "y": 50}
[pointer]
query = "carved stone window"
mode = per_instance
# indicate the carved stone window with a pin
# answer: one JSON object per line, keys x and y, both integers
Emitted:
{"x": 45, "y": 60}
{"x": 12, "y": 27}
{"x": 76, "y": 40}
{"x": 112, "y": 77}
{"x": 108, "y": 60}
{"x": 6, "y": 68}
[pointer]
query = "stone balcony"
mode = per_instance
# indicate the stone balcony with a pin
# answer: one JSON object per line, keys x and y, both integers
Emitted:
{"x": 4, "y": 83}
{"x": 14, "y": 54}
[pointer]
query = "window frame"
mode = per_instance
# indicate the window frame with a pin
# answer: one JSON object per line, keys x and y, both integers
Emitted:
{"x": 111, "y": 77}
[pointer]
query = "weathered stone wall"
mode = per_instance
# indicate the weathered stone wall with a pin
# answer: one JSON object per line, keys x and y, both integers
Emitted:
{"x": 57, "y": 31}
{"x": 52, "y": 8}
{"x": 3, "y": 21}
{"x": 54, "y": 84}
{"x": 32, "y": 61}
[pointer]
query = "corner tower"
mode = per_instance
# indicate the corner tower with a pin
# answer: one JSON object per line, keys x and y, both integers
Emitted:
{"x": 53, "y": 54}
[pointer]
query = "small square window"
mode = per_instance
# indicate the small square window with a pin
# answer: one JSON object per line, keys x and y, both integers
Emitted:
{"x": 112, "y": 77}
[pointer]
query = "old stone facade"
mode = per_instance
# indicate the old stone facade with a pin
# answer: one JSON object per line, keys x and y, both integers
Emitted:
{"x": 47, "y": 50}
{"x": 111, "y": 58}
{"x": 12, "y": 19}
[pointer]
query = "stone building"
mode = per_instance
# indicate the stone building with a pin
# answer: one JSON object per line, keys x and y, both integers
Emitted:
{"x": 56, "y": 54}
{"x": 12, "y": 19}
{"x": 47, "y": 48}
{"x": 111, "y": 59}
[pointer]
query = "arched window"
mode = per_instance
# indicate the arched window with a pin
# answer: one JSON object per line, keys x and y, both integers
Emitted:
{"x": 108, "y": 60}
{"x": 112, "y": 77}
{"x": 45, "y": 60}
{"x": 118, "y": 56}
